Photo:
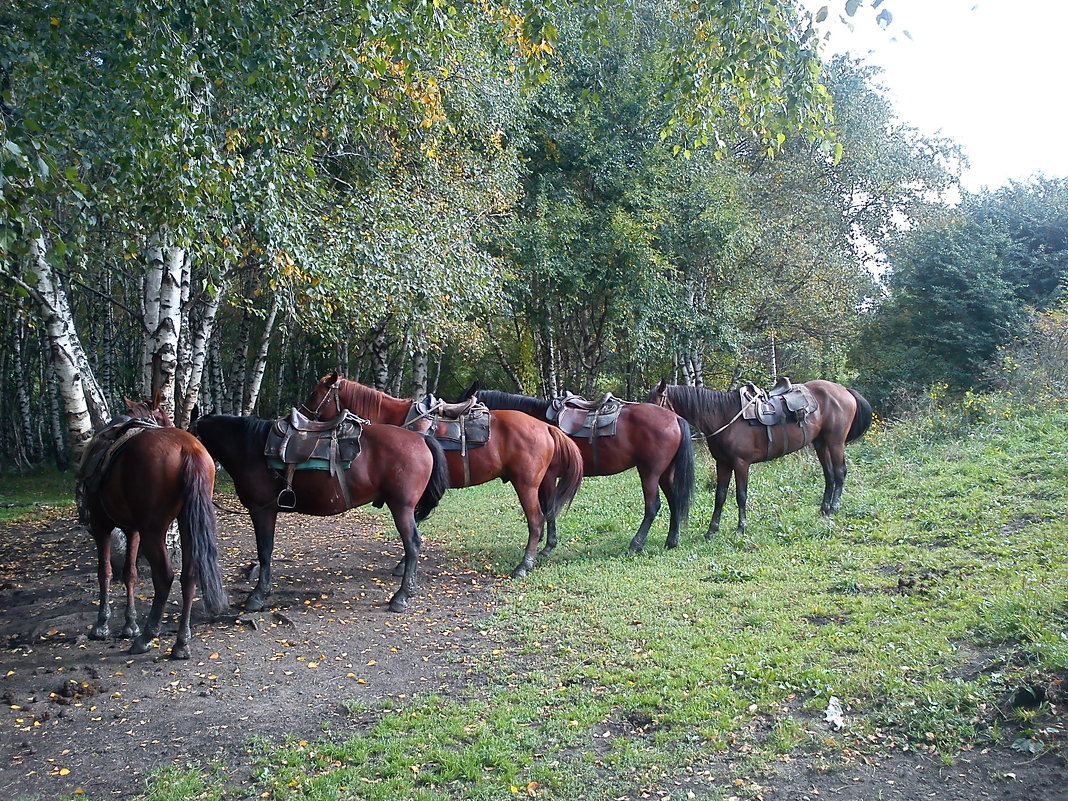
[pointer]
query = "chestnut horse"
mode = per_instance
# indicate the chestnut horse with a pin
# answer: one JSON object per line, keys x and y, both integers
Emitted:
{"x": 654, "y": 440}
{"x": 157, "y": 475}
{"x": 403, "y": 470}
{"x": 843, "y": 416}
{"x": 543, "y": 464}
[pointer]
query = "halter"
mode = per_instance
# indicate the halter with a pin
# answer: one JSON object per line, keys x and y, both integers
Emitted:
{"x": 331, "y": 393}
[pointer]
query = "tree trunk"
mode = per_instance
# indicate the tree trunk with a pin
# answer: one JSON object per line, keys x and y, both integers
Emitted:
{"x": 82, "y": 399}
{"x": 380, "y": 359}
{"x": 162, "y": 309}
{"x": 193, "y": 373}
{"x": 55, "y": 420}
{"x": 260, "y": 365}
{"x": 420, "y": 370}
{"x": 235, "y": 393}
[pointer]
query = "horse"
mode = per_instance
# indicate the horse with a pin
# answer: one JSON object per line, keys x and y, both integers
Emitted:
{"x": 543, "y": 464}
{"x": 842, "y": 416}
{"x": 157, "y": 475}
{"x": 400, "y": 469}
{"x": 652, "y": 439}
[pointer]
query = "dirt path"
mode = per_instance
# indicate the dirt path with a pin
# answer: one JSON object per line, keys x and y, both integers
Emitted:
{"x": 79, "y": 714}
{"x": 84, "y": 715}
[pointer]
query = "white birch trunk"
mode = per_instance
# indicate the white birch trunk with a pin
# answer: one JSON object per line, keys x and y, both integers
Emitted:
{"x": 197, "y": 358}
{"x": 380, "y": 360}
{"x": 163, "y": 321}
{"x": 76, "y": 384}
{"x": 260, "y": 365}
{"x": 420, "y": 369}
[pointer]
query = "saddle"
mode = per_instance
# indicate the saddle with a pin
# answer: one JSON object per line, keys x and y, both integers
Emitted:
{"x": 783, "y": 403}
{"x": 578, "y": 417}
{"x": 457, "y": 426}
{"x": 99, "y": 455}
{"x": 299, "y": 443}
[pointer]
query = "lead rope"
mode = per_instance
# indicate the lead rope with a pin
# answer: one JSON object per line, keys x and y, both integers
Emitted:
{"x": 724, "y": 426}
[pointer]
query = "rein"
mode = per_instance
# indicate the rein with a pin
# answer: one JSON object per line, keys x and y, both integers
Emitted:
{"x": 664, "y": 401}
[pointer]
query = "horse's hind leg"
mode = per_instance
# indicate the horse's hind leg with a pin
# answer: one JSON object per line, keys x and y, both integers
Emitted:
{"x": 162, "y": 578}
{"x": 723, "y": 484}
{"x": 545, "y": 498}
{"x": 832, "y": 460}
{"x": 404, "y": 520}
{"x": 129, "y": 576}
{"x": 651, "y": 494}
{"x": 102, "y": 536}
{"x": 741, "y": 493}
{"x": 528, "y": 498}
{"x": 189, "y": 586}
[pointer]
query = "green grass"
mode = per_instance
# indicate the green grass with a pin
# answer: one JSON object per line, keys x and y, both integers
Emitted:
{"x": 939, "y": 590}
{"x": 35, "y": 496}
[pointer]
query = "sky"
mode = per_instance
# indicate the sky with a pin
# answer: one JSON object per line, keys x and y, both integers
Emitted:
{"x": 992, "y": 75}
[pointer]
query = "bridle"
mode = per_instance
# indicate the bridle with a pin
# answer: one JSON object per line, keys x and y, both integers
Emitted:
{"x": 331, "y": 394}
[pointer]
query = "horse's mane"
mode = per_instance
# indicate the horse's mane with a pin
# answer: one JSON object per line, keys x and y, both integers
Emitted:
{"x": 496, "y": 399}
{"x": 252, "y": 430}
{"x": 705, "y": 408}
{"x": 360, "y": 399}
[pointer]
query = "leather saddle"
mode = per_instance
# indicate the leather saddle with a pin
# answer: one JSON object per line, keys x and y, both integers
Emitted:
{"x": 299, "y": 443}
{"x": 314, "y": 444}
{"x": 457, "y": 426}
{"x": 578, "y": 417}
{"x": 783, "y": 403}
{"x": 99, "y": 455}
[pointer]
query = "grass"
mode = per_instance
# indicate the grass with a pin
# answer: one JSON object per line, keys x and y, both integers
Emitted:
{"x": 939, "y": 591}
{"x": 26, "y": 497}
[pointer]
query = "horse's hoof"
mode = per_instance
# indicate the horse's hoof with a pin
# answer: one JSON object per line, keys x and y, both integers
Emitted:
{"x": 545, "y": 554}
{"x": 672, "y": 543}
{"x": 99, "y": 633}
{"x": 634, "y": 550}
{"x": 254, "y": 603}
{"x": 129, "y": 632}
{"x": 710, "y": 535}
{"x": 141, "y": 645}
{"x": 520, "y": 572}
{"x": 180, "y": 651}
{"x": 398, "y": 604}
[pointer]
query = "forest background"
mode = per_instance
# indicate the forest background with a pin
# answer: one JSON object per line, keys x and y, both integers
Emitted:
{"x": 222, "y": 200}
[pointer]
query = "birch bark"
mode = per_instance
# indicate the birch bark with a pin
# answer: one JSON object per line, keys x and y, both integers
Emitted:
{"x": 260, "y": 364}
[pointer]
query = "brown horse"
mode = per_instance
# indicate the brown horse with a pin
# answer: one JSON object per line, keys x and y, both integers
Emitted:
{"x": 654, "y": 440}
{"x": 403, "y": 470}
{"x": 843, "y": 415}
{"x": 155, "y": 476}
{"x": 543, "y": 464}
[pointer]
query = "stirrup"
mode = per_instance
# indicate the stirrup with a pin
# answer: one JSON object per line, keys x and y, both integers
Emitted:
{"x": 287, "y": 500}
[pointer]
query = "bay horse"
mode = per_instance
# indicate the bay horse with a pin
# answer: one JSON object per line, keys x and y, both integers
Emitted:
{"x": 400, "y": 469}
{"x": 158, "y": 475}
{"x": 543, "y": 464}
{"x": 843, "y": 415}
{"x": 648, "y": 437}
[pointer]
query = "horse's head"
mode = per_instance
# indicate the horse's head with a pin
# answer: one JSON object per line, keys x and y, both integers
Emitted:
{"x": 149, "y": 410}
{"x": 659, "y": 395}
{"x": 324, "y": 402}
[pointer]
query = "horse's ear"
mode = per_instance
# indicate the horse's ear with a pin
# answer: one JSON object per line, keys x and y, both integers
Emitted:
{"x": 661, "y": 387}
{"x": 194, "y": 414}
{"x": 129, "y": 403}
{"x": 333, "y": 377}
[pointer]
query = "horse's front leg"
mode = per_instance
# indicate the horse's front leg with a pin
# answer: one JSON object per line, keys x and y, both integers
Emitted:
{"x": 102, "y": 535}
{"x": 264, "y": 523}
{"x": 723, "y": 484}
{"x": 162, "y": 578}
{"x": 404, "y": 520}
{"x": 129, "y": 576}
{"x": 651, "y": 495}
{"x": 528, "y": 498}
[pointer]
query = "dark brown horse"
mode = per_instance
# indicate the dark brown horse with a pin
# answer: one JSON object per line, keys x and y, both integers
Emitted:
{"x": 157, "y": 475}
{"x": 400, "y": 469}
{"x": 654, "y": 440}
{"x": 543, "y": 464}
{"x": 843, "y": 416}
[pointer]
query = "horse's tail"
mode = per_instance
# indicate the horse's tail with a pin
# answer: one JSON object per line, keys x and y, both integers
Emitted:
{"x": 567, "y": 464}
{"x": 196, "y": 520}
{"x": 862, "y": 419}
{"x": 439, "y": 479}
{"x": 682, "y": 476}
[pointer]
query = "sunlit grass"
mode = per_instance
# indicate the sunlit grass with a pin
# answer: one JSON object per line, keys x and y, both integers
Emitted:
{"x": 939, "y": 588}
